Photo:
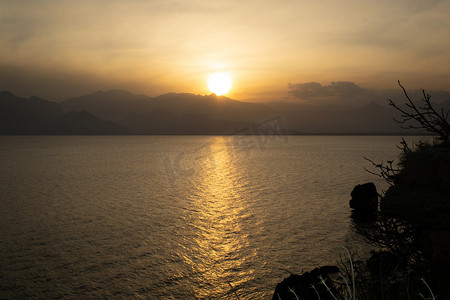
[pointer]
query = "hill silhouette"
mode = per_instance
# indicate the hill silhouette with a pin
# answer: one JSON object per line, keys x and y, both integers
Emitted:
{"x": 84, "y": 123}
{"x": 115, "y": 105}
{"x": 38, "y": 116}
{"x": 133, "y": 114}
{"x": 20, "y": 115}
{"x": 111, "y": 105}
{"x": 159, "y": 121}
{"x": 122, "y": 112}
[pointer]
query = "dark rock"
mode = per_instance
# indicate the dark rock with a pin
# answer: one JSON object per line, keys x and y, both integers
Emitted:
{"x": 302, "y": 285}
{"x": 364, "y": 200}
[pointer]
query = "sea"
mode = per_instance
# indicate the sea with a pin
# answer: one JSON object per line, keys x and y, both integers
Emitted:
{"x": 177, "y": 217}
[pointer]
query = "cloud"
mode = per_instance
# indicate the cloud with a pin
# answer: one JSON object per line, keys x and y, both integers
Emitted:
{"x": 349, "y": 93}
{"x": 59, "y": 84}
{"x": 175, "y": 43}
{"x": 310, "y": 90}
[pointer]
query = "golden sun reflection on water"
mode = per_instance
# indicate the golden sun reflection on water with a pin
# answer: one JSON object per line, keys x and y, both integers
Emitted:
{"x": 220, "y": 243}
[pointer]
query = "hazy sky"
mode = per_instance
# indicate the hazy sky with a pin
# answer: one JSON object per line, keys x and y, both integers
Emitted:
{"x": 58, "y": 49}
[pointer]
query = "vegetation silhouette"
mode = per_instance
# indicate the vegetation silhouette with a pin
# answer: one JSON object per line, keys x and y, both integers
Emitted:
{"x": 411, "y": 227}
{"x": 423, "y": 116}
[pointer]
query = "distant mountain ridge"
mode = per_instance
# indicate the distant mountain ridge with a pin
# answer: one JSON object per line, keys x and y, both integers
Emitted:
{"x": 110, "y": 105}
{"x": 122, "y": 112}
{"x": 38, "y": 116}
{"x": 115, "y": 105}
{"x": 135, "y": 114}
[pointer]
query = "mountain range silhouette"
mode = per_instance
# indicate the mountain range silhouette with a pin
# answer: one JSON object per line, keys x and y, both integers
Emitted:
{"x": 122, "y": 112}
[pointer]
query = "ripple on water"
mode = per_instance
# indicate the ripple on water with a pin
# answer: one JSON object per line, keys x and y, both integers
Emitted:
{"x": 172, "y": 217}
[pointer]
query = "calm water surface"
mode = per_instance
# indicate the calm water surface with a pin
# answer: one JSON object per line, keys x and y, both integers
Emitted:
{"x": 166, "y": 217}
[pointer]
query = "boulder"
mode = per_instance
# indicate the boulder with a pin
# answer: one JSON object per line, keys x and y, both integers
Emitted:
{"x": 364, "y": 199}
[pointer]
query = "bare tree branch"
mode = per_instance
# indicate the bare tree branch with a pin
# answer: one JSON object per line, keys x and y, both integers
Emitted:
{"x": 424, "y": 115}
{"x": 387, "y": 172}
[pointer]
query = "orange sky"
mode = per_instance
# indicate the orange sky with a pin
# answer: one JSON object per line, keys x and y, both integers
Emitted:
{"x": 58, "y": 49}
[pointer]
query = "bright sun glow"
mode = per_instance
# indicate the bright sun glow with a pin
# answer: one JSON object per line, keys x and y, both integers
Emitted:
{"x": 219, "y": 83}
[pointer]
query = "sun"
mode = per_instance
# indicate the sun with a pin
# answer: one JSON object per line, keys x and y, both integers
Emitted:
{"x": 219, "y": 83}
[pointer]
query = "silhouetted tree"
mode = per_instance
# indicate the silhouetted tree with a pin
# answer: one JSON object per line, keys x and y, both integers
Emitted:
{"x": 403, "y": 235}
{"x": 388, "y": 171}
{"x": 423, "y": 116}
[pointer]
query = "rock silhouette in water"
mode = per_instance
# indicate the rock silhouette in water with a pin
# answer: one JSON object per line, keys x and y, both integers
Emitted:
{"x": 364, "y": 200}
